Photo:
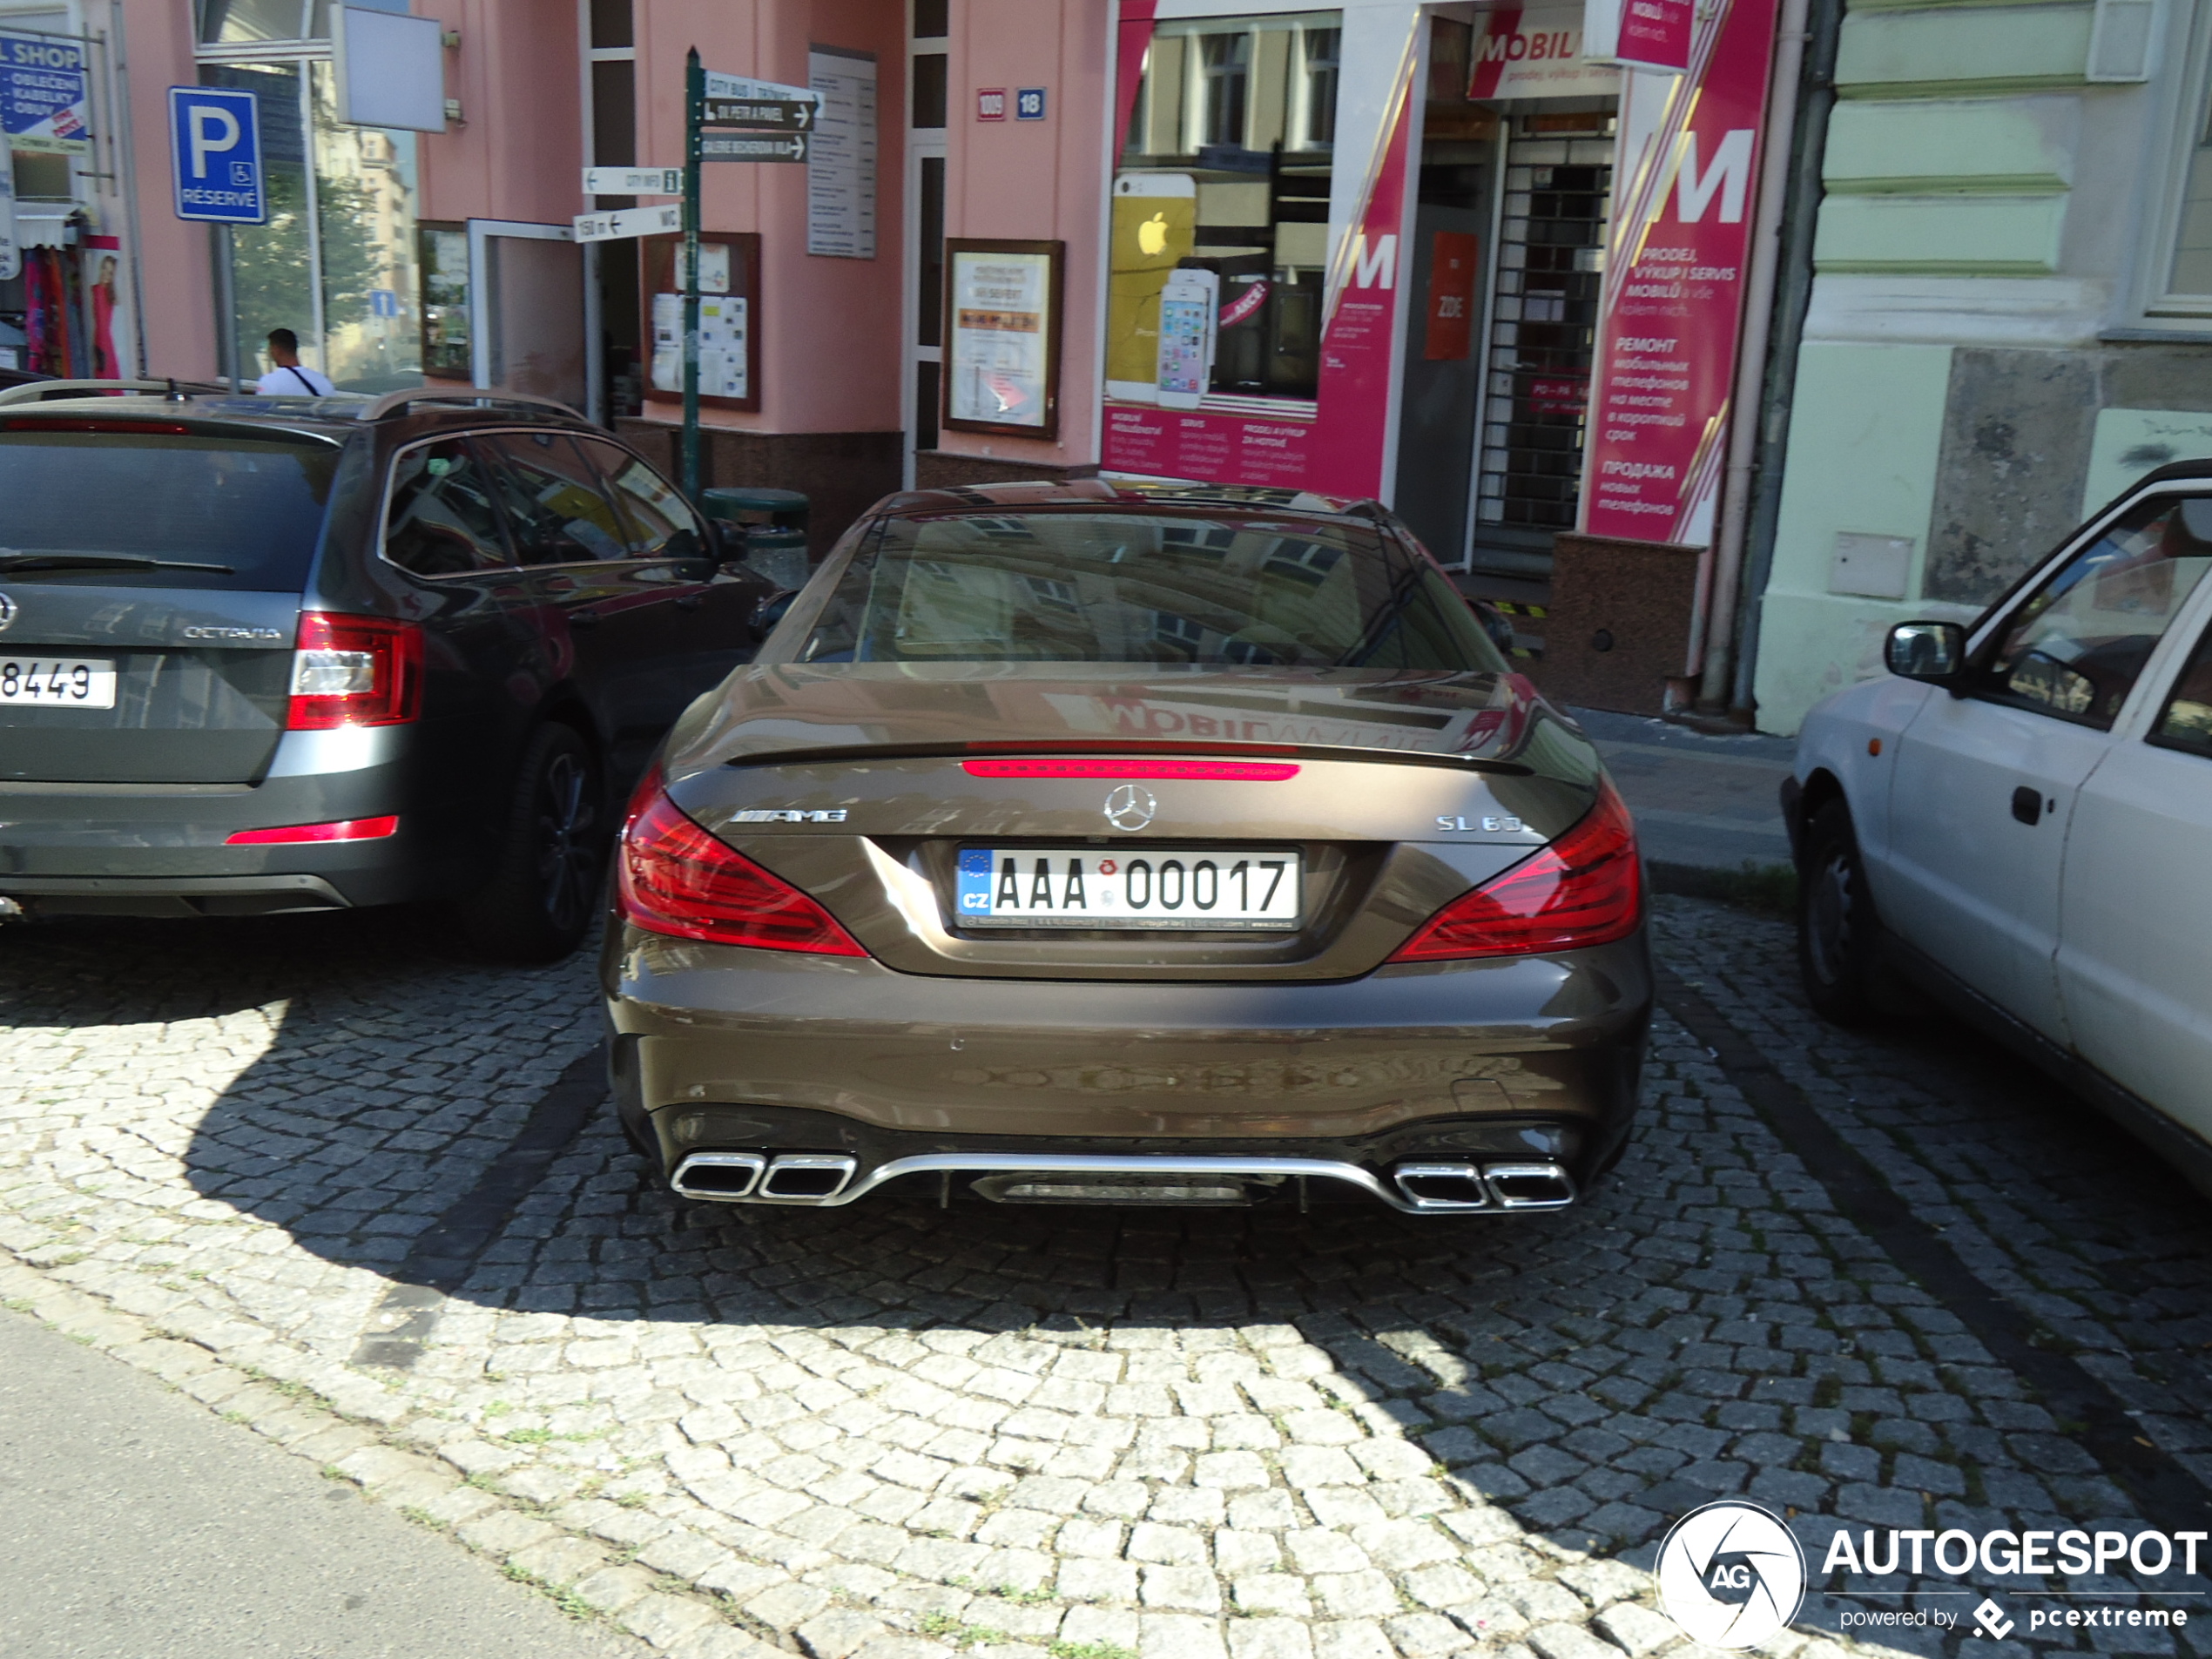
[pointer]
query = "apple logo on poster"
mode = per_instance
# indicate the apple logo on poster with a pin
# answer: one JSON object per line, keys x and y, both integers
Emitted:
{"x": 1152, "y": 235}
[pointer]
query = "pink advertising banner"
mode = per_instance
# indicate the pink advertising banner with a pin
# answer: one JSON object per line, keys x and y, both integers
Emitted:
{"x": 1672, "y": 310}
{"x": 1333, "y": 444}
{"x": 1641, "y": 34}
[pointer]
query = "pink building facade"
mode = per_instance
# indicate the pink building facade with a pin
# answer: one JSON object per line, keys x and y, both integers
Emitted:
{"x": 1359, "y": 248}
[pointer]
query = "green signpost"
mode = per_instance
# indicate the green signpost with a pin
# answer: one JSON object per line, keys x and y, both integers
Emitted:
{"x": 783, "y": 119}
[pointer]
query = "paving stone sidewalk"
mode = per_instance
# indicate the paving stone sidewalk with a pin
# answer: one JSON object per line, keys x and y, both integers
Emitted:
{"x": 896, "y": 1432}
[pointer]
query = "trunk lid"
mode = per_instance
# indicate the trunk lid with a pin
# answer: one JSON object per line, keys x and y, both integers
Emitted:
{"x": 201, "y": 681}
{"x": 856, "y": 784}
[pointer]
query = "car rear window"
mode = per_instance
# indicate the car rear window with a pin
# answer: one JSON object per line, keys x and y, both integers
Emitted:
{"x": 1201, "y": 591}
{"x": 255, "y": 505}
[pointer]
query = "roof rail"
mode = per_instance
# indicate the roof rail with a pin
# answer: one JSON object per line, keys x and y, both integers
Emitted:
{"x": 392, "y": 402}
{"x": 39, "y": 391}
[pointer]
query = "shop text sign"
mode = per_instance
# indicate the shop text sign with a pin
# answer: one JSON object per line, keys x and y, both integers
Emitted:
{"x": 1671, "y": 315}
{"x": 45, "y": 95}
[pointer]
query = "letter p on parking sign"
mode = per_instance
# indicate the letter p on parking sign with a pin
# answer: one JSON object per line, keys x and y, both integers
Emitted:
{"x": 215, "y": 155}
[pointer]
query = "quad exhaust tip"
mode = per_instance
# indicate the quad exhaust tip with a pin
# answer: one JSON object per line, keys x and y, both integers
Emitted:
{"x": 790, "y": 1177}
{"x": 1442, "y": 1187}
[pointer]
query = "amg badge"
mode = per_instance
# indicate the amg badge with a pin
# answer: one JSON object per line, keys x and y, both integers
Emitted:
{"x": 787, "y": 815}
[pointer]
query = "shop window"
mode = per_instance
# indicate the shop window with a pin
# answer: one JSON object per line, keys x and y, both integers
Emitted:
{"x": 1225, "y": 174}
{"x": 2190, "y": 272}
{"x": 347, "y": 287}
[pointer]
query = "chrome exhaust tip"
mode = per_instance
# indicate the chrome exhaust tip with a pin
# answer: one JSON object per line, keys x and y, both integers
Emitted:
{"x": 725, "y": 1176}
{"x": 1435, "y": 1188}
{"x": 806, "y": 1177}
{"x": 1530, "y": 1186}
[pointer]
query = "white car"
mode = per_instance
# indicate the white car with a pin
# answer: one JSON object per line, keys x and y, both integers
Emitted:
{"x": 2017, "y": 819}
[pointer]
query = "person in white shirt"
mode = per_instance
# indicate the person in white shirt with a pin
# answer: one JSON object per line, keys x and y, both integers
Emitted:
{"x": 291, "y": 377}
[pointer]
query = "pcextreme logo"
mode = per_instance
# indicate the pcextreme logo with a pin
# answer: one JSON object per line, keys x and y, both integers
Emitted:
{"x": 1731, "y": 1575}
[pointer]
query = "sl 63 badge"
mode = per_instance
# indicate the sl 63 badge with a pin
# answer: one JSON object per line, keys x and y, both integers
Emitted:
{"x": 1493, "y": 826}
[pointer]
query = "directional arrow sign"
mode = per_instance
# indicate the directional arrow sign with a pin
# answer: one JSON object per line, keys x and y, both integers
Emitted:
{"x": 633, "y": 181}
{"x": 776, "y": 115}
{"x": 630, "y": 221}
{"x": 719, "y": 85}
{"x": 754, "y": 147}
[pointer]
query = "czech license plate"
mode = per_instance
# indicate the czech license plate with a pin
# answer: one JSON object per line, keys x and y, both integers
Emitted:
{"x": 58, "y": 682}
{"x": 1188, "y": 889}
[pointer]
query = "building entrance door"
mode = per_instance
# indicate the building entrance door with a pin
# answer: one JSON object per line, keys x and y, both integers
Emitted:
{"x": 526, "y": 303}
{"x": 1454, "y": 231}
{"x": 1542, "y": 334}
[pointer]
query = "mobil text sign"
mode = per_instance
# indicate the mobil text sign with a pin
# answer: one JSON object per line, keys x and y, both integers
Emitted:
{"x": 1671, "y": 315}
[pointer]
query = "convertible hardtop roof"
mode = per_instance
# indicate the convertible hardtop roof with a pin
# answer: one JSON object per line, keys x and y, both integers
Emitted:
{"x": 1119, "y": 492}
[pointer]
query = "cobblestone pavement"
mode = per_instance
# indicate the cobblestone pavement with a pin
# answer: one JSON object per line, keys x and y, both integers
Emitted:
{"x": 897, "y": 1433}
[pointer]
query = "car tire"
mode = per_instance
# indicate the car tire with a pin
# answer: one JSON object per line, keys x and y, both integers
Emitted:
{"x": 538, "y": 900}
{"x": 1841, "y": 954}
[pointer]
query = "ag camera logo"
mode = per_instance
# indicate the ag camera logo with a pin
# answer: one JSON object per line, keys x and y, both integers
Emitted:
{"x": 1731, "y": 1575}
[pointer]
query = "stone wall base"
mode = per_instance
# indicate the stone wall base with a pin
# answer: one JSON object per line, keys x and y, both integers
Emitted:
{"x": 1618, "y": 626}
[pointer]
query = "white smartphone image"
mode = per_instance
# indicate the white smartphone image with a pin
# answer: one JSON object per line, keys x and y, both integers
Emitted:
{"x": 1154, "y": 213}
{"x": 1190, "y": 308}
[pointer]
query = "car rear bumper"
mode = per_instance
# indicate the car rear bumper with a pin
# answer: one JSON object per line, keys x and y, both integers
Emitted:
{"x": 739, "y": 1052}
{"x": 163, "y": 849}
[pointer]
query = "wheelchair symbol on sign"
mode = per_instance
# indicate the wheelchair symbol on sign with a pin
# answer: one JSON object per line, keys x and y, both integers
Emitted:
{"x": 242, "y": 174}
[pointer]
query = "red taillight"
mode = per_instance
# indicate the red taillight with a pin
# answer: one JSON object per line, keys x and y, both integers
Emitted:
{"x": 1586, "y": 888}
{"x": 345, "y": 829}
{"x": 354, "y": 671}
{"x": 1254, "y": 772}
{"x": 677, "y": 879}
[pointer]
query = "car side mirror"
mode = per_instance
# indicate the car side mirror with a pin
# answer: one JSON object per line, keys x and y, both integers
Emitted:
{"x": 769, "y": 612}
{"x": 1932, "y": 651}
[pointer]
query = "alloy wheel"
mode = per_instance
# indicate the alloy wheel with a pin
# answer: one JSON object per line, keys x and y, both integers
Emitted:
{"x": 567, "y": 848}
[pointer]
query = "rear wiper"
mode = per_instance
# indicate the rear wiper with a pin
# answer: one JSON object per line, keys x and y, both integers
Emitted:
{"x": 12, "y": 560}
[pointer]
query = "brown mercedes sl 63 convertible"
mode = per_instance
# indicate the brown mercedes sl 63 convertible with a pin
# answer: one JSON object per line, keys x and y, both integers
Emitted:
{"x": 1083, "y": 843}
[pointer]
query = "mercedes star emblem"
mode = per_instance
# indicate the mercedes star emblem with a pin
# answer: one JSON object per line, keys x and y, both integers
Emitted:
{"x": 7, "y": 612}
{"x": 1129, "y": 807}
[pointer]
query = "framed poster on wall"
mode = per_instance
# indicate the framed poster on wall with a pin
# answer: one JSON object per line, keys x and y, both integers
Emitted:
{"x": 1003, "y": 337}
{"x": 729, "y": 320}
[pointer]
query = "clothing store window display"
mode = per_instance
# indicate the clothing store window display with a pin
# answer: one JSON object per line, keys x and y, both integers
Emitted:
{"x": 291, "y": 377}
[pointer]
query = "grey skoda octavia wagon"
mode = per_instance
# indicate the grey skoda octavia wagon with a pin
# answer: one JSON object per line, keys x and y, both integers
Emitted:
{"x": 263, "y": 655}
{"x": 1083, "y": 843}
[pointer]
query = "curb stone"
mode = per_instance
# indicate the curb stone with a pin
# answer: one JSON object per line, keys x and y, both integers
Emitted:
{"x": 665, "y": 1611}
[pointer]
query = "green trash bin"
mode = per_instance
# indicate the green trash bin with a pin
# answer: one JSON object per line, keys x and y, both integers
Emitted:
{"x": 774, "y": 523}
{"x": 779, "y": 555}
{"x": 785, "y": 510}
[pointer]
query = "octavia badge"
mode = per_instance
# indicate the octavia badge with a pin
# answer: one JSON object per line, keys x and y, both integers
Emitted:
{"x": 7, "y": 612}
{"x": 1129, "y": 807}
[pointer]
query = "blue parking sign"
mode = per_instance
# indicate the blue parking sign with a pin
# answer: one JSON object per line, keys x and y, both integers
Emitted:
{"x": 215, "y": 152}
